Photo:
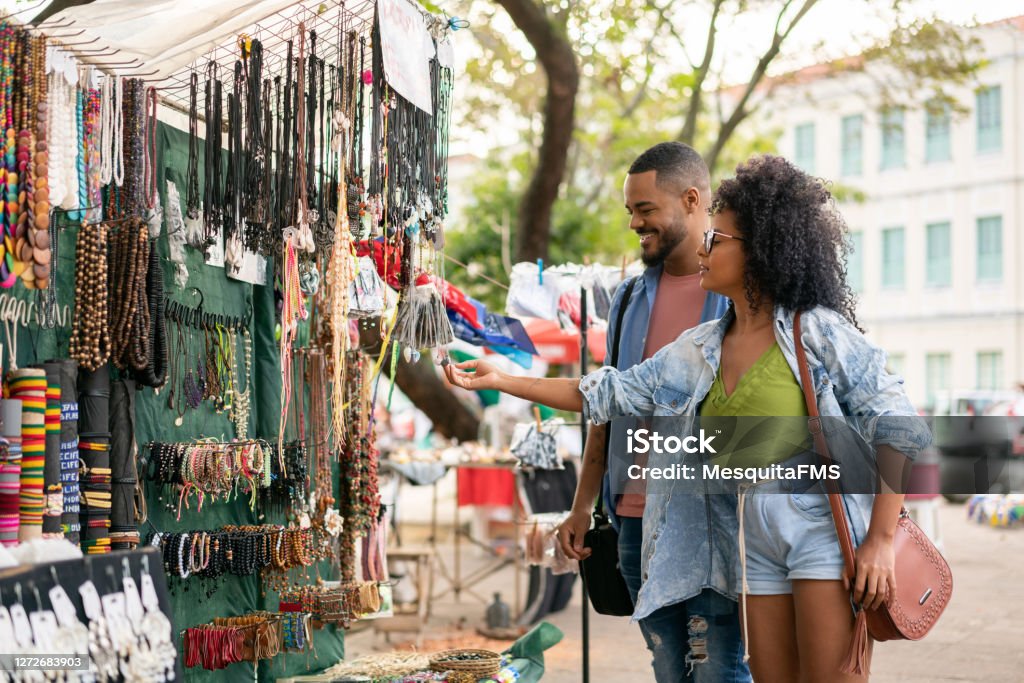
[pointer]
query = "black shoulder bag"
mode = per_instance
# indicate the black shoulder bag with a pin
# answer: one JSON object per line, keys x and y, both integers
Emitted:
{"x": 600, "y": 571}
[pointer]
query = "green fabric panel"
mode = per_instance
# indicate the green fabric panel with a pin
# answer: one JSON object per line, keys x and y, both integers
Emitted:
{"x": 528, "y": 652}
{"x": 200, "y": 601}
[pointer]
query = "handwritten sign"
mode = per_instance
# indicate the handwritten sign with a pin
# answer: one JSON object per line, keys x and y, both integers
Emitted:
{"x": 407, "y": 49}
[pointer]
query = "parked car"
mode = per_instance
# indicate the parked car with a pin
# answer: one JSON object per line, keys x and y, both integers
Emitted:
{"x": 980, "y": 439}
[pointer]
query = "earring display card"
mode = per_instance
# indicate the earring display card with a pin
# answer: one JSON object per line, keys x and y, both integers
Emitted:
{"x": 40, "y": 591}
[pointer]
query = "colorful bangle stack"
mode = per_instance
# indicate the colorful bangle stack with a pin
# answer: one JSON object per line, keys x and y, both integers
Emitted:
{"x": 10, "y": 472}
{"x": 94, "y": 454}
{"x": 124, "y": 533}
{"x": 29, "y": 386}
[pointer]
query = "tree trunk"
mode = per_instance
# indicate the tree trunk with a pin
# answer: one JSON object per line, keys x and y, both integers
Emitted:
{"x": 428, "y": 392}
{"x": 559, "y": 61}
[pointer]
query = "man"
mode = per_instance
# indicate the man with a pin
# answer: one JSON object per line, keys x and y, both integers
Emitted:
{"x": 692, "y": 630}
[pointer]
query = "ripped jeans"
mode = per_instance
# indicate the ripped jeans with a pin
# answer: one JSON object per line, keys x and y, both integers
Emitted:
{"x": 697, "y": 640}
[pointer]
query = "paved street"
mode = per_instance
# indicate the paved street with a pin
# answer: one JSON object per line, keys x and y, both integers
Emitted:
{"x": 980, "y": 637}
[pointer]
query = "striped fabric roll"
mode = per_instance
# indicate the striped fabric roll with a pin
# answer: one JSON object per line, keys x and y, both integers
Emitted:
{"x": 53, "y": 490}
{"x": 94, "y": 451}
{"x": 10, "y": 471}
{"x": 29, "y": 386}
{"x": 69, "y": 461}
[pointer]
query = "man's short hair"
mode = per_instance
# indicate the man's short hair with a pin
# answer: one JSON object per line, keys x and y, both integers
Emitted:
{"x": 678, "y": 167}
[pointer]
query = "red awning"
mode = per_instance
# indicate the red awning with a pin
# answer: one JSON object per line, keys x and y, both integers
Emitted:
{"x": 556, "y": 345}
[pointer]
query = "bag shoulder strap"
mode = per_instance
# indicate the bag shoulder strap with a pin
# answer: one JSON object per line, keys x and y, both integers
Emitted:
{"x": 620, "y": 316}
{"x": 821, "y": 448}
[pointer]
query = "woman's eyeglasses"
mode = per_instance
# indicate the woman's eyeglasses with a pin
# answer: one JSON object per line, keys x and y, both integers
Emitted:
{"x": 709, "y": 239}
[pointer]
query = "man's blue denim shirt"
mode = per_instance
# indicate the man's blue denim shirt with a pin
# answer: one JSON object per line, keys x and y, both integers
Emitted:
{"x": 635, "y": 322}
{"x": 690, "y": 540}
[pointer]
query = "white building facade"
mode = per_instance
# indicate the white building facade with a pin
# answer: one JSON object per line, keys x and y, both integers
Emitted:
{"x": 939, "y": 233}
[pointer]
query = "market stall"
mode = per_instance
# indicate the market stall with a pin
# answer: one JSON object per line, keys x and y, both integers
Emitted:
{"x": 186, "y": 189}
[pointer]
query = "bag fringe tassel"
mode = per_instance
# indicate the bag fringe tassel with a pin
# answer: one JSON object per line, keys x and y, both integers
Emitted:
{"x": 857, "y": 657}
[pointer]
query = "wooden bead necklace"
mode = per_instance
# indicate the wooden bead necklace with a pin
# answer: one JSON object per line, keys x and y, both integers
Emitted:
{"x": 90, "y": 331}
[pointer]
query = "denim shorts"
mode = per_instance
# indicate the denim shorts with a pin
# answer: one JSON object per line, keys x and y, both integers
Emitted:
{"x": 789, "y": 534}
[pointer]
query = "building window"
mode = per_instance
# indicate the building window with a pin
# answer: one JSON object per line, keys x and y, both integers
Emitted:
{"x": 892, "y": 258}
{"x": 853, "y": 145}
{"x": 896, "y": 363}
{"x": 804, "y": 146}
{"x": 893, "y": 152}
{"x": 988, "y": 112}
{"x": 937, "y": 125}
{"x": 990, "y": 249}
{"x": 855, "y": 262}
{"x": 939, "y": 266}
{"x": 990, "y": 370}
{"x": 936, "y": 375}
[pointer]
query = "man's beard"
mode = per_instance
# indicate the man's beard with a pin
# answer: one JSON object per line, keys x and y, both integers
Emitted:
{"x": 668, "y": 240}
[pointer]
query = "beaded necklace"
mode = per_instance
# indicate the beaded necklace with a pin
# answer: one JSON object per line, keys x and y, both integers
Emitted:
{"x": 83, "y": 153}
{"x": 117, "y": 131}
{"x": 149, "y": 147}
{"x": 9, "y": 177}
{"x": 130, "y": 309}
{"x": 24, "y": 113}
{"x": 240, "y": 403}
{"x": 90, "y": 332}
{"x": 106, "y": 129}
{"x": 94, "y": 162}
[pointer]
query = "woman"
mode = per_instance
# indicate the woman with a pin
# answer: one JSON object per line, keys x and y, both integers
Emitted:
{"x": 776, "y": 247}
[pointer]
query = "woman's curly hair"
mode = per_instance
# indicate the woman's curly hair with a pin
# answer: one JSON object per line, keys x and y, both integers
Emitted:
{"x": 795, "y": 238}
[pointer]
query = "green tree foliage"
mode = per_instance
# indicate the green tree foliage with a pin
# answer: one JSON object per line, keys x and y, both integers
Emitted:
{"x": 640, "y": 83}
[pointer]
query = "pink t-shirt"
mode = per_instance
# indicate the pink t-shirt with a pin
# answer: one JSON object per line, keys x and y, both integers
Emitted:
{"x": 677, "y": 308}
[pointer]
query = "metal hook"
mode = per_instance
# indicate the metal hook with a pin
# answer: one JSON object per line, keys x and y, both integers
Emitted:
{"x": 53, "y": 573}
{"x": 75, "y": 35}
{"x": 145, "y": 564}
{"x": 39, "y": 600}
{"x": 113, "y": 577}
{"x": 202, "y": 297}
{"x": 127, "y": 567}
{"x": 96, "y": 51}
{"x": 63, "y": 46}
{"x": 17, "y": 592}
{"x": 45, "y": 25}
{"x": 27, "y": 9}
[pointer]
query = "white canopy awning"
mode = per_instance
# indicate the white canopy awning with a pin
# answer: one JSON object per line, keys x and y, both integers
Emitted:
{"x": 166, "y": 36}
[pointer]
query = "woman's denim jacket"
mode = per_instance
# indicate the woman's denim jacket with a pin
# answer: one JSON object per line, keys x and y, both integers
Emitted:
{"x": 689, "y": 540}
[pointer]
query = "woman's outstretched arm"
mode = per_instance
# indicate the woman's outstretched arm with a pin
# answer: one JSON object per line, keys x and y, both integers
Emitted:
{"x": 558, "y": 393}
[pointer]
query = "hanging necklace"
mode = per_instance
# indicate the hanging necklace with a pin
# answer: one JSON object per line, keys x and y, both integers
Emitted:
{"x": 213, "y": 192}
{"x": 192, "y": 184}
{"x": 117, "y": 129}
{"x": 106, "y": 129}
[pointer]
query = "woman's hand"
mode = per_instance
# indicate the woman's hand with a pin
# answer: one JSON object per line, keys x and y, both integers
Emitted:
{"x": 875, "y": 562}
{"x": 571, "y": 532}
{"x": 486, "y": 376}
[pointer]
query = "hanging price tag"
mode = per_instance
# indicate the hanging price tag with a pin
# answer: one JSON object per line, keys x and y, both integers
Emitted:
{"x": 133, "y": 604}
{"x": 65, "y": 610}
{"x": 117, "y": 618}
{"x": 90, "y": 600}
{"x": 149, "y": 596}
{"x": 22, "y": 627}
{"x": 6, "y": 626}
{"x": 44, "y": 629}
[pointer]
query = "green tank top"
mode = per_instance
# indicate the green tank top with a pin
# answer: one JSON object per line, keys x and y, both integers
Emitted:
{"x": 771, "y": 403}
